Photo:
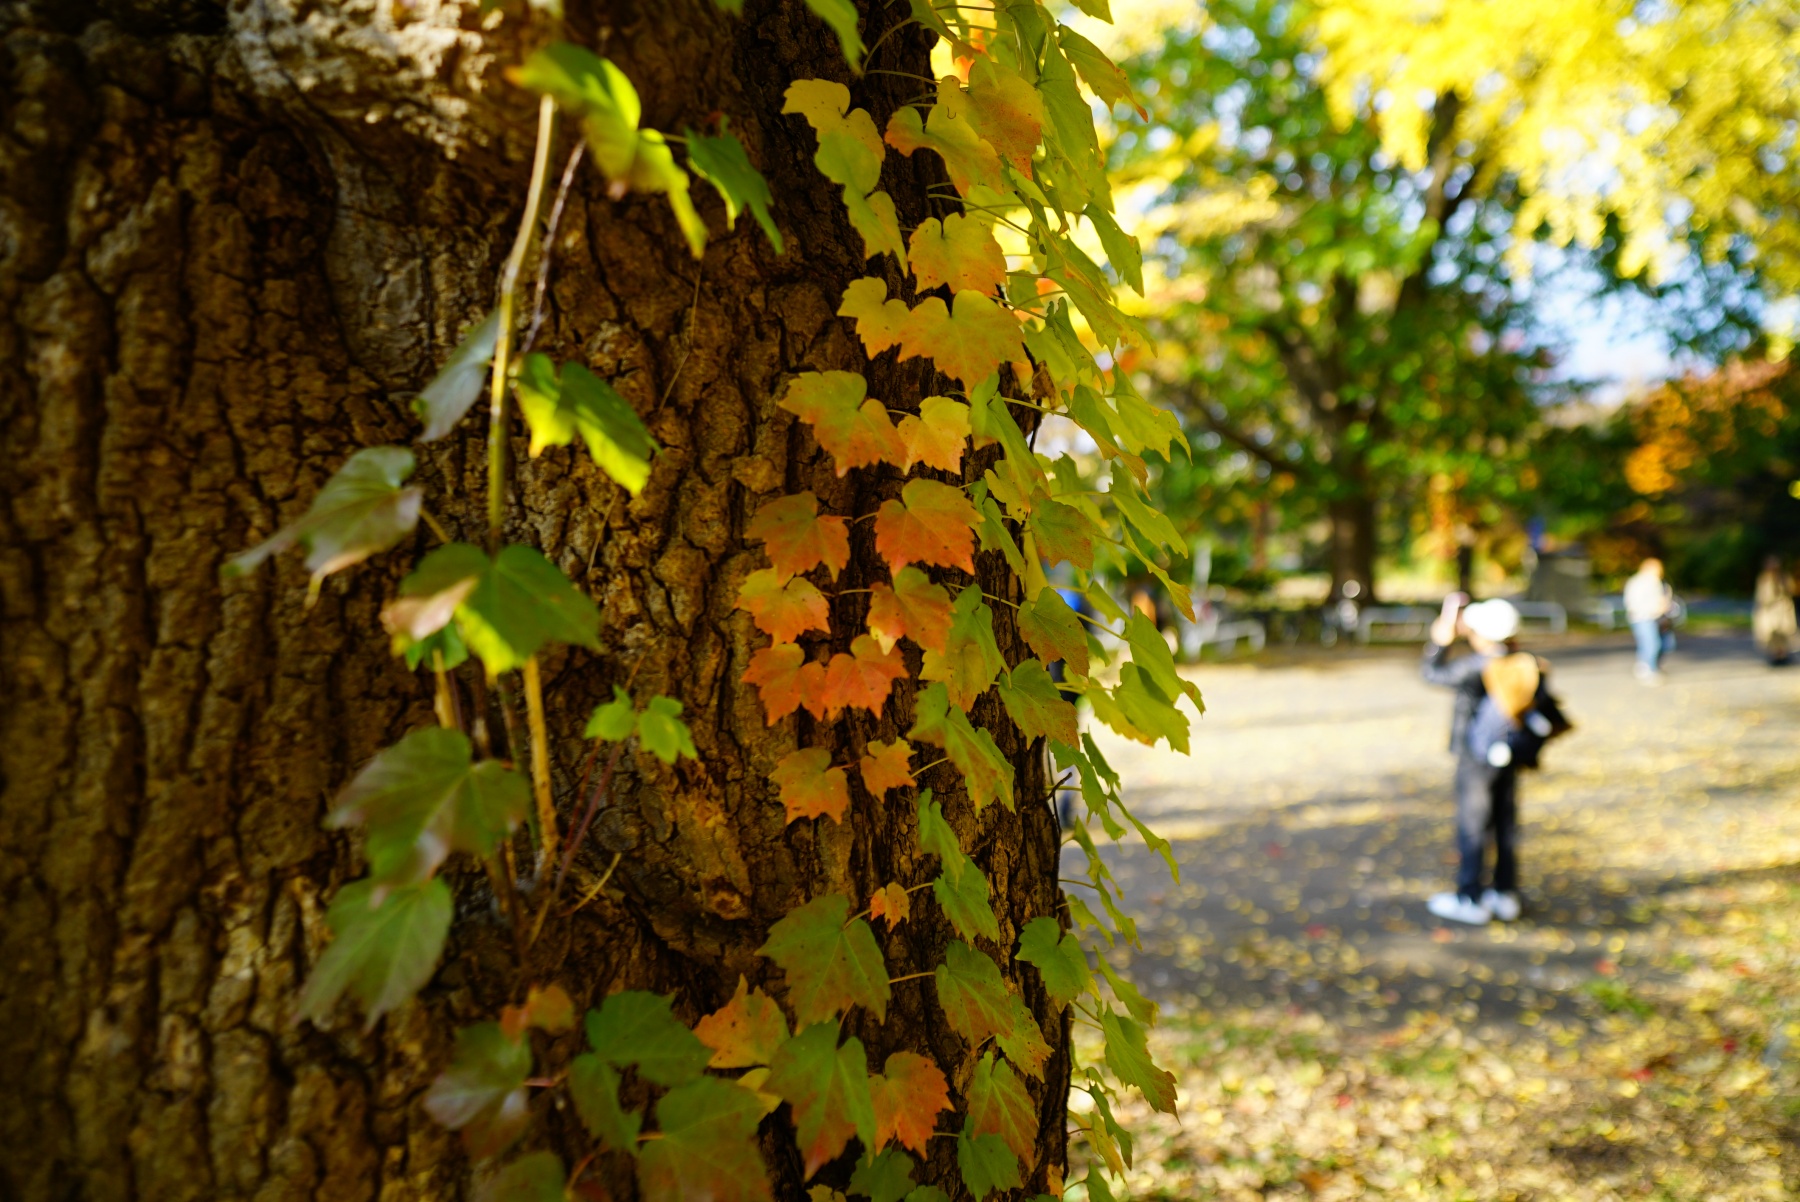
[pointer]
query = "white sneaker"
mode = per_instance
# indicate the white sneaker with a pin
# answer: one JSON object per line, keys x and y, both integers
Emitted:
{"x": 1504, "y": 906}
{"x": 1457, "y": 908}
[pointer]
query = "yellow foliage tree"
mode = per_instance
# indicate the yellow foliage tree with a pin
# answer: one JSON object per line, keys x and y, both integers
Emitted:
{"x": 1676, "y": 120}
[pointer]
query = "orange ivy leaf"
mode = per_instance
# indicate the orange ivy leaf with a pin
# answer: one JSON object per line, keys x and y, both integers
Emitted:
{"x": 913, "y": 608}
{"x": 966, "y": 341}
{"x": 785, "y": 680}
{"x": 892, "y": 903}
{"x": 783, "y": 610}
{"x": 547, "y": 1009}
{"x": 810, "y": 786}
{"x": 908, "y": 1094}
{"x": 887, "y": 766}
{"x": 968, "y": 158}
{"x": 745, "y": 1031}
{"x": 1024, "y": 1044}
{"x": 798, "y": 537}
{"x": 863, "y": 678}
{"x": 1005, "y": 110}
{"x": 1063, "y": 533}
{"x": 880, "y": 322}
{"x": 937, "y": 436}
{"x": 930, "y": 523}
{"x": 960, "y": 252}
{"x": 856, "y": 432}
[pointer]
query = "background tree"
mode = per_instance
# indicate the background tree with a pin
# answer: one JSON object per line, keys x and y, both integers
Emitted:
{"x": 242, "y": 242}
{"x": 1662, "y": 126}
{"x": 1338, "y": 328}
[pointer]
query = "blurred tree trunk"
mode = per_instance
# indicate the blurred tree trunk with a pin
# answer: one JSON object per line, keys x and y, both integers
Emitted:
{"x": 235, "y": 239}
{"x": 1353, "y": 546}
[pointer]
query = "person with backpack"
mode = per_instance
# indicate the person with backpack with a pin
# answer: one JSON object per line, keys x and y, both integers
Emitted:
{"x": 1503, "y": 715}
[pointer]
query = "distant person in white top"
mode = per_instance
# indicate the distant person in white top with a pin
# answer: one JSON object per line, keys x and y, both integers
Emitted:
{"x": 1649, "y": 602}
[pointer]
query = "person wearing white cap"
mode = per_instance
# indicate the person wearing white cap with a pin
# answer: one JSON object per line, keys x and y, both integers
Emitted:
{"x": 1486, "y": 802}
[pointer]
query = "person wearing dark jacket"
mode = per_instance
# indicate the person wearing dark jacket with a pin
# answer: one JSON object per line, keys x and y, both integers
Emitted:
{"x": 1486, "y": 798}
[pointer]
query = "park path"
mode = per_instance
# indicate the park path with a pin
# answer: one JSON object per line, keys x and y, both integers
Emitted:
{"x": 1313, "y": 818}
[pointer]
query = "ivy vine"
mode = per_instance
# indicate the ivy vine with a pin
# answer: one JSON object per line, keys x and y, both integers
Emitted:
{"x": 1030, "y": 325}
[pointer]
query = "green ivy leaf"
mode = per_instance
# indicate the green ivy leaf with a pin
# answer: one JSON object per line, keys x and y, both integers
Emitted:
{"x": 635, "y": 1027}
{"x": 537, "y": 1177}
{"x": 999, "y": 1105}
{"x": 722, "y": 162}
{"x": 1037, "y": 705}
{"x": 383, "y": 953}
{"x": 936, "y": 838}
{"x": 424, "y": 798}
{"x": 631, "y": 158}
{"x": 445, "y": 641}
{"x": 971, "y": 658}
{"x": 613, "y": 720}
{"x": 841, "y": 16}
{"x": 828, "y": 1088}
{"x": 1136, "y": 1004}
{"x": 987, "y": 773}
{"x": 443, "y": 402}
{"x": 1148, "y": 713}
{"x": 1128, "y": 1056}
{"x": 708, "y": 1146}
{"x": 1053, "y": 631}
{"x": 1122, "y": 250}
{"x": 594, "y": 1085}
{"x": 972, "y": 994}
{"x": 986, "y": 1163}
{"x": 506, "y": 608}
{"x": 927, "y": 1193}
{"x": 362, "y": 509}
{"x": 885, "y": 1177}
{"x": 1063, "y": 533}
{"x": 576, "y": 401}
{"x": 1058, "y": 958}
{"x": 1153, "y": 657}
{"x": 663, "y": 733}
{"x": 482, "y": 1093}
{"x": 1023, "y": 1042}
{"x": 964, "y": 901}
{"x": 830, "y": 966}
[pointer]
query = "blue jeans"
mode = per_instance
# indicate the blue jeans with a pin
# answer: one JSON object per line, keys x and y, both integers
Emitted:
{"x": 1653, "y": 642}
{"x": 1487, "y": 812}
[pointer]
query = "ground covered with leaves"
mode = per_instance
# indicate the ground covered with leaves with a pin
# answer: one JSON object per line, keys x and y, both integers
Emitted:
{"x": 1633, "y": 1037}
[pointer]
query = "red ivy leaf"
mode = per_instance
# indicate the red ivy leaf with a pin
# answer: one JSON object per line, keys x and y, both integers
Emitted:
{"x": 887, "y": 766}
{"x": 863, "y": 678}
{"x": 810, "y": 786}
{"x": 908, "y": 1094}
{"x": 798, "y": 537}
{"x": 783, "y": 610}
{"x": 856, "y": 432}
{"x": 929, "y": 523}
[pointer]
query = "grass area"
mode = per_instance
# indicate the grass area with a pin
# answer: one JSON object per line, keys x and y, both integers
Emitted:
{"x": 1681, "y": 1082}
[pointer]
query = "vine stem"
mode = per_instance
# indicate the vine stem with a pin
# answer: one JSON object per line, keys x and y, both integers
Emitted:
{"x": 549, "y": 251}
{"x": 540, "y": 764}
{"x": 578, "y": 835}
{"x": 449, "y": 714}
{"x": 509, "y": 289}
{"x": 917, "y": 976}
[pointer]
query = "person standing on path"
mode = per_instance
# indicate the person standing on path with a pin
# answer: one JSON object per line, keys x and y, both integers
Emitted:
{"x": 1773, "y": 622}
{"x": 1486, "y": 800}
{"x": 1649, "y": 607}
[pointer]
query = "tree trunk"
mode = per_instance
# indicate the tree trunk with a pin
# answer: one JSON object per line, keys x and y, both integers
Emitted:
{"x": 1353, "y": 547}
{"x": 236, "y": 238}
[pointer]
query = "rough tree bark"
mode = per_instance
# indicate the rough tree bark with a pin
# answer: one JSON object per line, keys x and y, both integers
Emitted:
{"x": 235, "y": 237}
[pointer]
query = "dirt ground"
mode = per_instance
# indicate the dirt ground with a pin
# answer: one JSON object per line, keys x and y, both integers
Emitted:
{"x": 1628, "y": 1038}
